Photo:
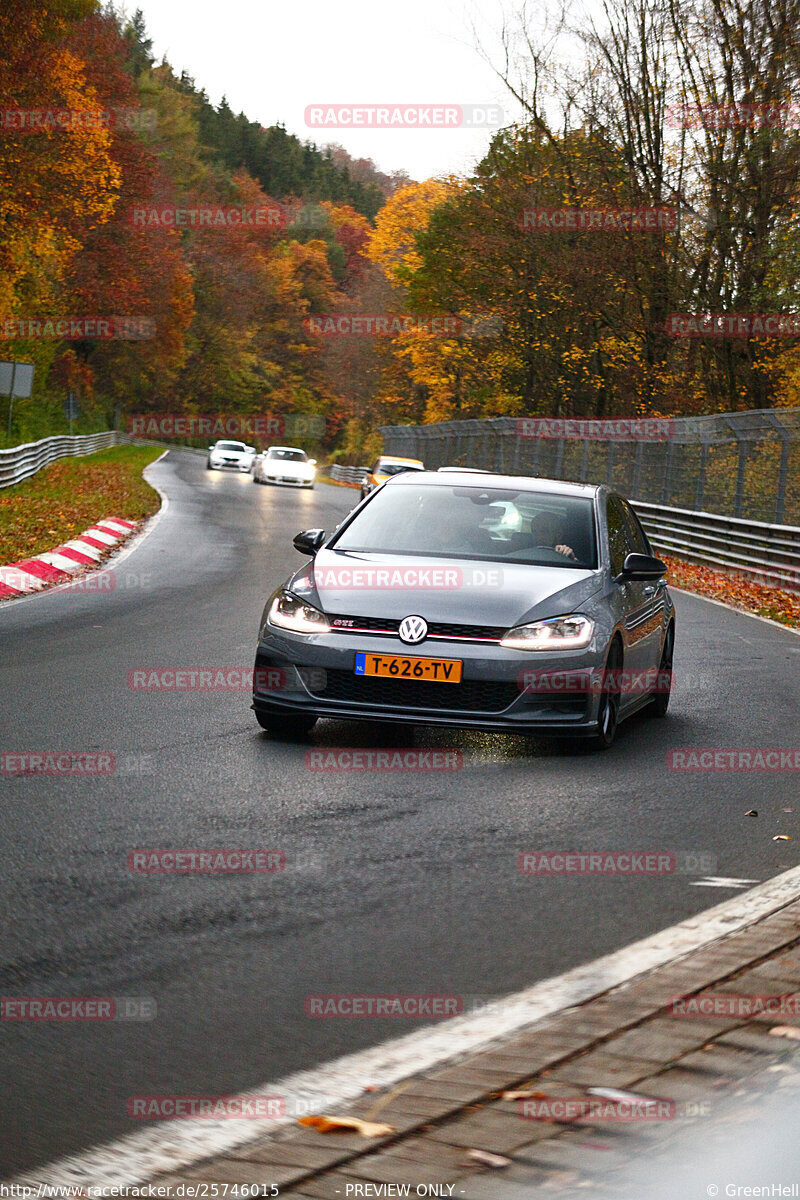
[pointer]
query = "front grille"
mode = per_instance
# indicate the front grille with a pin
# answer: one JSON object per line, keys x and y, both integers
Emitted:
{"x": 437, "y": 629}
{"x": 471, "y": 695}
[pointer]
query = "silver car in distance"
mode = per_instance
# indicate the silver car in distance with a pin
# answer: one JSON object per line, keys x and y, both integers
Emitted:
{"x": 480, "y": 601}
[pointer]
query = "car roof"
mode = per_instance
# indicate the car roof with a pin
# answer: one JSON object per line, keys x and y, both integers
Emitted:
{"x": 286, "y": 448}
{"x": 526, "y": 483}
{"x": 394, "y": 458}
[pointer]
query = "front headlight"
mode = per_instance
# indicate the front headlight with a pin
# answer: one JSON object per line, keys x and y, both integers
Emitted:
{"x": 556, "y": 633}
{"x": 287, "y": 612}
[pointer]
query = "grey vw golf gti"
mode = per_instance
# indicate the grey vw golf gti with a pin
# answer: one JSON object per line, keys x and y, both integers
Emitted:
{"x": 484, "y": 601}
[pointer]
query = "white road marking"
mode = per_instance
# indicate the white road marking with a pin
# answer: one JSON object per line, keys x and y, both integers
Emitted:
{"x": 722, "y": 881}
{"x": 172, "y": 1145}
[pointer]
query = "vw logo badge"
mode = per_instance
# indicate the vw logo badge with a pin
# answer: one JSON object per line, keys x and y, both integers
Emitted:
{"x": 413, "y": 630}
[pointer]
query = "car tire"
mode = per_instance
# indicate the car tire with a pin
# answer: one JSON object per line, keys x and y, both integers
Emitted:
{"x": 608, "y": 710}
{"x": 660, "y": 703}
{"x": 286, "y": 724}
{"x": 209, "y": 466}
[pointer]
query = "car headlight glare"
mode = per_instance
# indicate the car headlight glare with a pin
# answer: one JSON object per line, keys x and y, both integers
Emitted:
{"x": 288, "y": 612}
{"x": 557, "y": 633}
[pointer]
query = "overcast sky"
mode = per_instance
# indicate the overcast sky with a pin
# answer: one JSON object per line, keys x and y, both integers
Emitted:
{"x": 273, "y": 60}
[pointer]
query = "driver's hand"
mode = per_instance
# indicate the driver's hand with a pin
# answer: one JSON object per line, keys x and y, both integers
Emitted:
{"x": 567, "y": 551}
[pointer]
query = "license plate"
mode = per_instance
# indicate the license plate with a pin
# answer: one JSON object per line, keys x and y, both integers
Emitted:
{"x": 398, "y": 666}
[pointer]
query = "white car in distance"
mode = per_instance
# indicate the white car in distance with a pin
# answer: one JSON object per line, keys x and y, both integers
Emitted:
{"x": 285, "y": 464}
{"x": 234, "y": 456}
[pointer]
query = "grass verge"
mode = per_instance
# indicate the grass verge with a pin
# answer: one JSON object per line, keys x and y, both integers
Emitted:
{"x": 70, "y": 495}
{"x": 736, "y": 590}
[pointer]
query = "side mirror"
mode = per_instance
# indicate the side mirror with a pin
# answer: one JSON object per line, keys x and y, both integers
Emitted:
{"x": 309, "y": 541}
{"x": 642, "y": 566}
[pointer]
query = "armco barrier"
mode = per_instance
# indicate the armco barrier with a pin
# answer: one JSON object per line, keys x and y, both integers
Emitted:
{"x": 20, "y": 462}
{"x": 767, "y": 553}
{"x": 348, "y": 474}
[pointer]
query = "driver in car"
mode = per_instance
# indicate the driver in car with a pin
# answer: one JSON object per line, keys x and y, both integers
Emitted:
{"x": 548, "y": 531}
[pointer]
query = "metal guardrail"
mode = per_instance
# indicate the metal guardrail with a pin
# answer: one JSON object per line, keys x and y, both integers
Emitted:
{"x": 352, "y": 475}
{"x": 20, "y": 462}
{"x": 765, "y": 553}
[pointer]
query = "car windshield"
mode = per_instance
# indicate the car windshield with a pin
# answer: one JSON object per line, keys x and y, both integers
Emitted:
{"x": 292, "y": 455}
{"x": 390, "y": 468}
{"x": 538, "y": 528}
{"x": 230, "y": 445}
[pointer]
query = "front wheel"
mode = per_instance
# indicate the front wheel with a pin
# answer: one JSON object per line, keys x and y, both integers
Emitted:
{"x": 608, "y": 711}
{"x": 209, "y": 466}
{"x": 287, "y": 724}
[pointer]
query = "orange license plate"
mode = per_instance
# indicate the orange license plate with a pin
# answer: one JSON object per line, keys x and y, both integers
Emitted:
{"x": 397, "y": 666}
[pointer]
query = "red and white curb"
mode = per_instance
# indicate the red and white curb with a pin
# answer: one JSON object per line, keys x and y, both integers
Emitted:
{"x": 59, "y": 565}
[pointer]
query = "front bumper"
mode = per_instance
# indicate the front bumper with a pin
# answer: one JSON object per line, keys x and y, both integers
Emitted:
{"x": 230, "y": 466}
{"x": 316, "y": 675}
{"x": 284, "y": 479}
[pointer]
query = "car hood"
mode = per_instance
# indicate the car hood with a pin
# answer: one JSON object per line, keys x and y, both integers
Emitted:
{"x": 456, "y": 591}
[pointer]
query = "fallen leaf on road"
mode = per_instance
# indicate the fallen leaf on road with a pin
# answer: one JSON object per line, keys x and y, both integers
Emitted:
{"x": 787, "y": 1031}
{"x": 488, "y": 1160}
{"x": 781, "y": 837}
{"x": 368, "y": 1129}
{"x": 525, "y": 1094}
{"x": 751, "y": 812}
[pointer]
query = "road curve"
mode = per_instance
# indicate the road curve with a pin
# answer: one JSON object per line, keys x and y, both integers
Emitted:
{"x": 394, "y": 883}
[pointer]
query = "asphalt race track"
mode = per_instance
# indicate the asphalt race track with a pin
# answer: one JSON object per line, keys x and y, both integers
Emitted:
{"x": 401, "y": 882}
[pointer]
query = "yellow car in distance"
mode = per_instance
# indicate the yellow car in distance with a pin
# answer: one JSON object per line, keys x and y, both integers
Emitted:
{"x": 386, "y": 466}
